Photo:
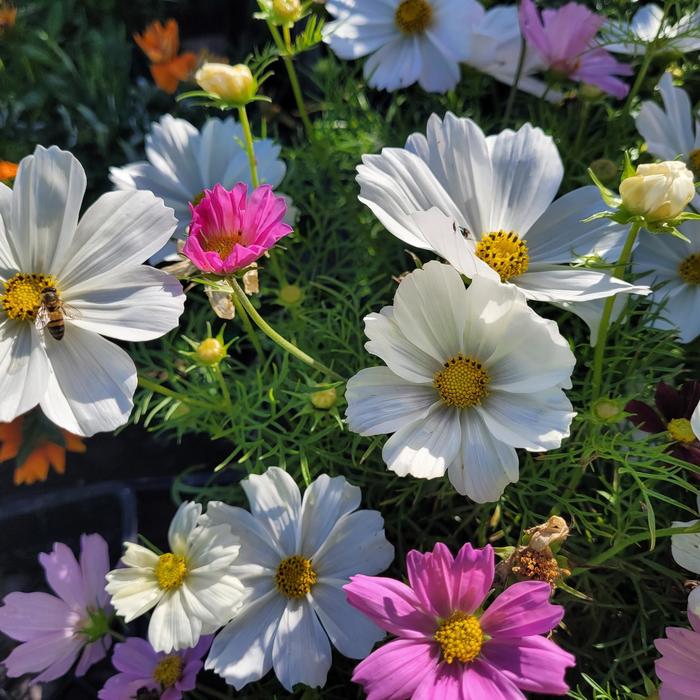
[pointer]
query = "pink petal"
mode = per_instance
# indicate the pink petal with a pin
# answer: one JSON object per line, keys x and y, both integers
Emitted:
{"x": 571, "y": 30}
{"x": 26, "y": 616}
{"x": 395, "y": 670}
{"x": 94, "y": 565}
{"x": 121, "y": 686}
{"x": 531, "y": 663}
{"x": 522, "y": 611}
{"x": 474, "y": 571}
{"x": 443, "y": 681}
{"x": 52, "y": 654}
{"x": 532, "y": 28}
{"x": 136, "y": 657}
{"x": 64, "y": 575}
{"x": 92, "y": 653}
{"x": 599, "y": 68}
{"x": 391, "y": 605}
{"x": 481, "y": 681}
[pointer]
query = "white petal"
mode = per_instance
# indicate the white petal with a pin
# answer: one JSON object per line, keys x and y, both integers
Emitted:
{"x": 354, "y": 35}
{"x": 351, "y": 632}
{"x": 182, "y": 526}
{"x": 686, "y": 548}
{"x": 137, "y": 556}
{"x": 380, "y": 402}
{"x": 591, "y": 312}
{"x": 527, "y": 172}
{"x": 133, "y": 591}
{"x": 426, "y": 447}
{"x": 120, "y": 230}
{"x": 681, "y": 312}
{"x": 24, "y": 369}
{"x": 301, "y": 652}
{"x": 695, "y": 421}
{"x": 447, "y": 29}
{"x": 8, "y": 261}
{"x": 48, "y": 192}
{"x": 242, "y": 652}
{"x": 694, "y": 601}
{"x": 137, "y": 304}
{"x": 438, "y": 72}
{"x": 172, "y": 626}
{"x": 91, "y": 384}
{"x": 395, "y": 65}
{"x": 276, "y": 502}
{"x": 484, "y": 466}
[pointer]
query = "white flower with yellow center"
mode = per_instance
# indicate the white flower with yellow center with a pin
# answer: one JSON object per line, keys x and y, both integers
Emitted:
{"x": 192, "y": 589}
{"x": 183, "y": 162}
{"x": 409, "y": 40}
{"x": 296, "y": 556}
{"x": 672, "y": 267}
{"x": 686, "y": 548}
{"x": 499, "y": 191}
{"x": 470, "y": 375}
{"x": 64, "y": 284}
{"x": 673, "y": 131}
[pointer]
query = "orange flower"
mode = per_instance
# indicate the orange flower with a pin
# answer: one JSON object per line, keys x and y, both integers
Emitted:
{"x": 8, "y": 15}
{"x": 161, "y": 42}
{"x": 41, "y": 455}
{"x": 8, "y": 170}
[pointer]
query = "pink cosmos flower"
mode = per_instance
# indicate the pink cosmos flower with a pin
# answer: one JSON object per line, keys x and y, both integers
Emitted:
{"x": 230, "y": 230}
{"x": 679, "y": 665}
{"x": 140, "y": 667}
{"x": 565, "y": 40}
{"x": 449, "y": 648}
{"x": 56, "y": 630}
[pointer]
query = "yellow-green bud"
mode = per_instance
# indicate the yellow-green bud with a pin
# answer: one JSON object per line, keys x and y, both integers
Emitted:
{"x": 325, "y": 398}
{"x": 286, "y": 10}
{"x": 211, "y": 351}
{"x": 608, "y": 410}
{"x": 291, "y": 294}
{"x": 605, "y": 170}
{"x": 234, "y": 84}
{"x": 589, "y": 92}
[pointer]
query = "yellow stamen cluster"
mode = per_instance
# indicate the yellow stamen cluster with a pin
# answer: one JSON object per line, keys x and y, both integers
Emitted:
{"x": 170, "y": 571}
{"x": 505, "y": 252}
{"x": 222, "y": 244}
{"x": 168, "y": 671}
{"x": 689, "y": 269}
{"x": 414, "y": 16}
{"x": 460, "y": 637}
{"x": 21, "y": 298}
{"x": 462, "y": 383}
{"x": 295, "y": 576}
{"x": 680, "y": 430}
{"x": 694, "y": 163}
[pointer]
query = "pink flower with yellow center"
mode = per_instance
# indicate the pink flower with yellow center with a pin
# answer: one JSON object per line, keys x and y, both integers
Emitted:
{"x": 230, "y": 230}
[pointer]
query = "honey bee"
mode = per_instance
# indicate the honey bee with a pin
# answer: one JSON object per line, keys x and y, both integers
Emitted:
{"x": 52, "y": 313}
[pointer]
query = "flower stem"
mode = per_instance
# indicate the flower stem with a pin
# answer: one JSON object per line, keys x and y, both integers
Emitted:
{"x": 514, "y": 87}
{"x": 156, "y": 388}
{"x": 250, "y": 149}
{"x": 277, "y": 338}
{"x": 224, "y": 388}
{"x": 618, "y": 271}
{"x": 247, "y": 326}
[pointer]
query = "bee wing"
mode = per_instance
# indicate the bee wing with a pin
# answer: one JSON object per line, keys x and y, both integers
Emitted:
{"x": 70, "y": 312}
{"x": 42, "y": 318}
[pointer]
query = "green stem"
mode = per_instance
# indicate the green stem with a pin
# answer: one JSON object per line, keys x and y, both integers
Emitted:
{"x": 156, "y": 388}
{"x": 247, "y": 325}
{"x": 514, "y": 87}
{"x": 618, "y": 271}
{"x": 224, "y": 388}
{"x": 250, "y": 149}
{"x": 117, "y": 635}
{"x": 277, "y": 338}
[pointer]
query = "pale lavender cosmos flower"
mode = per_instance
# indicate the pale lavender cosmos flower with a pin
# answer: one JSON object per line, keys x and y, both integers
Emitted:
{"x": 679, "y": 665}
{"x": 141, "y": 667}
{"x": 447, "y": 646}
{"x": 71, "y": 626}
{"x": 565, "y": 40}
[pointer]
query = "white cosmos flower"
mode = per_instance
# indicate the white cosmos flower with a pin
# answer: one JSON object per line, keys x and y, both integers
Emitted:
{"x": 695, "y": 421}
{"x": 82, "y": 382}
{"x": 409, "y": 40}
{"x": 296, "y": 556}
{"x": 499, "y": 189}
{"x": 646, "y": 26}
{"x": 183, "y": 162}
{"x": 471, "y": 374}
{"x": 672, "y": 267}
{"x": 686, "y": 552}
{"x": 192, "y": 589}
{"x": 673, "y": 131}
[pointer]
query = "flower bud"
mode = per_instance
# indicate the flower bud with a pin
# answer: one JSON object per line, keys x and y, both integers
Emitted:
{"x": 290, "y": 294}
{"x": 234, "y": 84}
{"x": 659, "y": 191}
{"x": 286, "y": 10}
{"x": 325, "y": 398}
{"x": 211, "y": 351}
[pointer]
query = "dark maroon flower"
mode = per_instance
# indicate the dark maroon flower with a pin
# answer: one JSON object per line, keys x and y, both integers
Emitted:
{"x": 672, "y": 417}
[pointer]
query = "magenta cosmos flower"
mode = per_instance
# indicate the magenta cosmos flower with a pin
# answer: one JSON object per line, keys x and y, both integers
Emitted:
{"x": 565, "y": 40}
{"x": 448, "y": 646}
{"x": 142, "y": 668}
{"x": 679, "y": 665}
{"x": 58, "y": 630}
{"x": 230, "y": 230}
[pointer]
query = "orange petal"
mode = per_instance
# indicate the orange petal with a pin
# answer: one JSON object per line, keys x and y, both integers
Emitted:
{"x": 57, "y": 456}
{"x": 159, "y": 42}
{"x": 163, "y": 77}
{"x": 73, "y": 442}
{"x": 8, "y": 170}
{"x": 36, "y": 468}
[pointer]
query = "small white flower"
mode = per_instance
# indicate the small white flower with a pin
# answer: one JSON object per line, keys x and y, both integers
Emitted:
{"x": 183, "y": 162}
{"x": 409, "y": 40}
{"x": 683, "y": 36}
{"x": 672, "y": 267}
{"x": 499, "y": 190}
{"x": 686, "y": 553}
{"x": 471, "y": 374}
{"x": 192, "y": 588}
{"x": 695, "y": 421}
{"x": 296, "y": 556}
{"x": 673, "y": 131}
{"x": 82, "y": 382}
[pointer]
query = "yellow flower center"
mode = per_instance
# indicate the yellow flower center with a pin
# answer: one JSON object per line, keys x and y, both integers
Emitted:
{"x": 505, "y": 252}
{"x": 295, "y": 576}
{"x": 223, "y": 243}
{"x": 689, "y": 269}
{"x": 694, "y": 162}
{"x": 21, "y": 297}
{"x": 462, "y": 383}
{"x": 414, "y": 16}
{"x": 680, "y": 430}
{"x": 460, "y": 637}
{"x": 168, "y": 671}
{"x": 171, "y": 571}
